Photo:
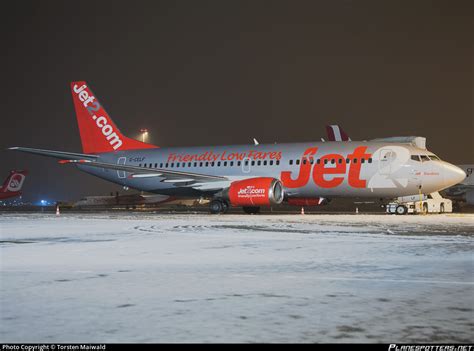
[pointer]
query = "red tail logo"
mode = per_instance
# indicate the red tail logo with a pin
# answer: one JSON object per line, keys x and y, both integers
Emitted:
{"x": 14, "y": 182}
{"x": 98, "y": 132}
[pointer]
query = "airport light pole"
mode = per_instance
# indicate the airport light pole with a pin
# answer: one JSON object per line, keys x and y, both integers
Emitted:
{"x": 144, "y": 133}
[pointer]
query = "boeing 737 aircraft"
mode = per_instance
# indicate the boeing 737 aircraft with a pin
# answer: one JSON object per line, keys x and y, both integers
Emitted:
{"x": 12, "y": 185}
{"x": 251, "y": 175}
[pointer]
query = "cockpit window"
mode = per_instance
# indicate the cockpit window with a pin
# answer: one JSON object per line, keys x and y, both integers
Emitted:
{"x": 424, "y": 158}
{"x": 415, "y": 158}
{"x": 433, "y": 157}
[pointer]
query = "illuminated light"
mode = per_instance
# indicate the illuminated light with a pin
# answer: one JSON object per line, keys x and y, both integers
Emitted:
{"x": 144, "y": 132}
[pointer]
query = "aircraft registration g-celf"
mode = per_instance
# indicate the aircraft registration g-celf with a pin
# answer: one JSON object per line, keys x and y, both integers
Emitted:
{"x": 251, "y": 175}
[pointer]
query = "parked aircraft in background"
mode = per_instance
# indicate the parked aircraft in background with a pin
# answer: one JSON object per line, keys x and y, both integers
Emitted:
{"x": 465, "y": 189}
{"x": 133, "y": 200}
{"x": 251, "y": 175}
{"x": 12, "y": 185}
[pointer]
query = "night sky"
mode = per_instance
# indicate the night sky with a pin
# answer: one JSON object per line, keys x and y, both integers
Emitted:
{"x": 223, "y": 72}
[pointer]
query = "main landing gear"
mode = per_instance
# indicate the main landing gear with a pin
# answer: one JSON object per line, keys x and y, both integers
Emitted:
{"x": 218, "y": 206}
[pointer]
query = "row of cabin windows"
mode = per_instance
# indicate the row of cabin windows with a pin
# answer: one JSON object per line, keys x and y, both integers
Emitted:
{"x": 246, "y": 163}
{"x": 332, "y": 161}
{"x": 210, "y": 164}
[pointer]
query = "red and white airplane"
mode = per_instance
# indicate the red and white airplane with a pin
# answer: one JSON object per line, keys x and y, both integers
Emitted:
{"x": 251, "y": 175}
{"x": 12, "y": 185}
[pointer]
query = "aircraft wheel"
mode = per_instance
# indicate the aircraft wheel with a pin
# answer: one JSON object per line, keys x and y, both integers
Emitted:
{"x": 216, "y": 206}
{"x": 251, "y": 210}
{"x": 225, "y": 206}
{"x": 401, "y": 210}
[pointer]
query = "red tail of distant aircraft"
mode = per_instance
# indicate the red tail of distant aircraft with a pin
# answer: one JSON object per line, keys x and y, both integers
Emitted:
{"x": 12, "y": 185}
{"x": 335, "y": 133}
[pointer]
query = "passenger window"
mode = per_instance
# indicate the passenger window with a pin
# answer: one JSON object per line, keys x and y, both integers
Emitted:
{"x": 177, "y": 164}
{"x": 172, "y": 165}
{"x": 271, "y": 162}
{"x": 218, "y": 163}
{"x": 311, "y": 161}
{"x": 231, "y": 163}
{"x": 333, "y": 161}
{"x": 297, "y": 162}
{"x": 326, "y": 162}
{"x": 318, "y": 161}
{"x": 246, "y": 163}
{"x": 195, "y": 164}
{"x": 348, "y": 160}
{"x": 259, "y": 163}
{"x": 355, "y": 160}
{"x": 265, "y": 162}
{"x": 166, "y": 165}
{"x": 253, "y": 163}
{"x": 362, "y": 160}
{"x": 225, "y": 163}
{"x": 277, "y": 162}
{"x": 161, "y": 165}
{"x": 370, "y": 160}
{"x": 212, "y": 164}
{"x": 305, "y": 161}
{"x": 189, "y": 164}
{"x": 339, "y": 160}
{"x": 200, "y": 164}
{"x": 291, "y": 162}
{"x": 239, "y": 163}
{"x": 139, "y": 165}
{"x": 207, "y": 164}
{"x": 156, "y": 165}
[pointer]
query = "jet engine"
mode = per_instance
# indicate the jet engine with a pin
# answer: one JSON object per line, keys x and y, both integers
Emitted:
{"x": 262, "y": 191}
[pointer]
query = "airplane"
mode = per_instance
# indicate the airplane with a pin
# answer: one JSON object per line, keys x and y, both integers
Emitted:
{"x": 250, "y": 176}
{"x": 12, "y": 185}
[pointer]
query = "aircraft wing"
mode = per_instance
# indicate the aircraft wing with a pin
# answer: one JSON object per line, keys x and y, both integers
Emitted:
{"x": 169, "y": 176}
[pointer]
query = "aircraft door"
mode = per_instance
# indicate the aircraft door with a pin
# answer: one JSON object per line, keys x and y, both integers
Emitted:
{"x": 246, "y": 165}
{"x": 121, "y": 161}
{"x": 386, "y": 159}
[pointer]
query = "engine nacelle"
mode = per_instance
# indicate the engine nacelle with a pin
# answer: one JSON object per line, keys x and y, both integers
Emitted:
{"x": 262, "y": 191}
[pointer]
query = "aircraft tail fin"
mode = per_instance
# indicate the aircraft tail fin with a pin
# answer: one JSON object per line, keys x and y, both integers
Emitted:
{"x": 14, "y": 182}
{"x": 335, "y": 133}
{"x": 98, "y": 131}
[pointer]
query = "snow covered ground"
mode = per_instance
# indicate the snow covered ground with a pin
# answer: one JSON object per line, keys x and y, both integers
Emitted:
{"x": 236, "y": 278}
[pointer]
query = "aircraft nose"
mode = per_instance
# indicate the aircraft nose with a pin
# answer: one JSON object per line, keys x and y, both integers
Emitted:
{"x": 453, "y": 175}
